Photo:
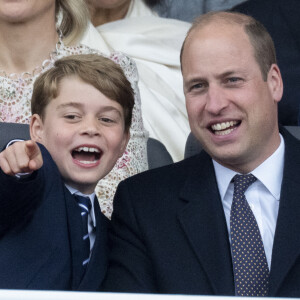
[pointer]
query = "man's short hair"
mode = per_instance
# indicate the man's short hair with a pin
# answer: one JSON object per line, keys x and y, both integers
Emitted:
{"x": 260, "y": 39}
{"x": 99, "y": 71}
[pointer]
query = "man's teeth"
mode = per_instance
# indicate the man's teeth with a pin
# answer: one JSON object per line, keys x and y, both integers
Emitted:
{"x": 222, "y": 126}
{"x": 87, "y": 149}
{"x": 224, "y": 132}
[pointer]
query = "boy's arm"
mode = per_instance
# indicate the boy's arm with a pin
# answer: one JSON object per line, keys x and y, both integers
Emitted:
{"x": 19, "y": 197}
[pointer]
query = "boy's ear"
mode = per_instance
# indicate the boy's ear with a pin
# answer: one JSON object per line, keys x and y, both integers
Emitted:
{"x": 126, "y": 138}
{"x": 36, "y": 128}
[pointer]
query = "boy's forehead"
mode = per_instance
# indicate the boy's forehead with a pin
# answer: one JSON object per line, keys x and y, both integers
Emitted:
{"x": 75, "y": 92}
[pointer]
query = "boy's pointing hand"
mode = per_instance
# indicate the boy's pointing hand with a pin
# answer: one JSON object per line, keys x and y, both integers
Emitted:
{"x": 21, "y": 157}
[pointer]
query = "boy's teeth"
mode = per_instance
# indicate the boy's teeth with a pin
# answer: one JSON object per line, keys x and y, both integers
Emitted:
{"x": 85, "y": 162}
{"x": 87, "y": 149}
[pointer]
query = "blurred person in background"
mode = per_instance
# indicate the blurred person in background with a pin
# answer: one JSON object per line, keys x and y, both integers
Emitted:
{"x": 131, "y": 26}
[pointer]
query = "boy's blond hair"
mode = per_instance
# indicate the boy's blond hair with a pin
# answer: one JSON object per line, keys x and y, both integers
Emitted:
{"x": 99, "y": 71}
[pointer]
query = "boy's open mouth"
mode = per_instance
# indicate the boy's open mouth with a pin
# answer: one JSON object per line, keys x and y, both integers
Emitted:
{"x": 86, "y": 155}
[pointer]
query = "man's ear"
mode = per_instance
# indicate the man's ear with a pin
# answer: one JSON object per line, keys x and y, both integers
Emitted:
{"x": 125, "y": 140}
{"x": 36, "y": 128}
{"x": 275, "y": 83}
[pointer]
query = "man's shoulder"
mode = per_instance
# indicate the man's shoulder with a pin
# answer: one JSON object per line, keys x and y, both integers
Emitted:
{"x": 168, "y": 175}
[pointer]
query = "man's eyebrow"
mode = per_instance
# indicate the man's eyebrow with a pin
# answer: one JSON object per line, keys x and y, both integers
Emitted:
{"x": 200, "y": 79}
{"x": 226, "y": 74}
{"x": 229, "y": 73}
{"x": 194, "y": 80}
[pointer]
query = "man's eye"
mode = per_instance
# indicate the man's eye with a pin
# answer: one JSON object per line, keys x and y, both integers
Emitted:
{"x": 198, "y": 86}
{"x": 233, "y": 79}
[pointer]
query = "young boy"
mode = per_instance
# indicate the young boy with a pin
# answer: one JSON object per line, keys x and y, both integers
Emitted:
{"x": 51, "y": 236}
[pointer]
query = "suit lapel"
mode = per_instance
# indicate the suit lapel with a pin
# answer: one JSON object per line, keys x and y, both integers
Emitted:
{"x": 203, "y": 221}
{"x": 286, "y": 248}
{"x": 97, "y": 266}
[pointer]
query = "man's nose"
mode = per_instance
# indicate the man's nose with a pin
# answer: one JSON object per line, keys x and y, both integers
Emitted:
{"x": 216, "y": 100}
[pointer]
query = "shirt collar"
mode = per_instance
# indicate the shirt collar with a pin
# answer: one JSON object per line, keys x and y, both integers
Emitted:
{"x": 91, "y": 196}
{"x": 269, "y": 173}
{"x": 76, "y": 192}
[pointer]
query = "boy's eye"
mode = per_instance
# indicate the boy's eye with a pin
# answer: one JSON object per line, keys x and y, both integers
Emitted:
{"x": 106, "y": 120}
{"x": 71, "y": 117}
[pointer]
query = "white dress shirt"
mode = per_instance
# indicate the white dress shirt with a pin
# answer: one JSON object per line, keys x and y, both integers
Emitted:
{"x": 263, "y": 195}
{"x": 91, "y": 216}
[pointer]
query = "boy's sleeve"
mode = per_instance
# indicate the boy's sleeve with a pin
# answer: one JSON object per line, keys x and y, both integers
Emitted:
{"x": 19, "y": 198}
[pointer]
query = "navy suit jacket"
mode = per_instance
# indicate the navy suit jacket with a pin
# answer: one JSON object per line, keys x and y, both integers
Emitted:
{"x": 281, "y": 18}
{"x": 41, "y": 234}
{"x": 169, "y": 233}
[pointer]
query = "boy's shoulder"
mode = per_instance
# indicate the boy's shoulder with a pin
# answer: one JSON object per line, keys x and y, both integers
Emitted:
{"x": 49, "y": 164}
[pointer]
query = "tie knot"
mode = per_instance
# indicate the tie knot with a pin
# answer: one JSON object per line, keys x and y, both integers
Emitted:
{"x": 242, "y": 182}
{"x": 84, "y": 203}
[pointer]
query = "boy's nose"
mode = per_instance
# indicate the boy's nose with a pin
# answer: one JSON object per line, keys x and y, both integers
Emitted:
{"x": 91, "y": 126}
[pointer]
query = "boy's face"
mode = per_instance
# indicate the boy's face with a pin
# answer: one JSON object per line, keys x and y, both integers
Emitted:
{"x": 84, "y": 132}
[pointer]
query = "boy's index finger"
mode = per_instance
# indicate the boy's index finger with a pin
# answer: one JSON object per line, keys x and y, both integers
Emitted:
{"x": 34, "y": 154}
{"x": 32, "y": 149}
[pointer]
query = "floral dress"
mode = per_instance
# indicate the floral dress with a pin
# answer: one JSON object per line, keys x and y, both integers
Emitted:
{"x": 15, "y": 97}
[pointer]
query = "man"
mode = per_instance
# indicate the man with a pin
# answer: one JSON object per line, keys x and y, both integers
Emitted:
{"x": 187, "y": 228}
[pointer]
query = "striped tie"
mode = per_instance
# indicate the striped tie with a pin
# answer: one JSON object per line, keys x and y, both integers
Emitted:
{"x": 85, "y": 206}
{"x": 251, "y": 272}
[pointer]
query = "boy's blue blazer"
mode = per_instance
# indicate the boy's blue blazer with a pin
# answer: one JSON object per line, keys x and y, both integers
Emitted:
{"x": 41, "y": 239}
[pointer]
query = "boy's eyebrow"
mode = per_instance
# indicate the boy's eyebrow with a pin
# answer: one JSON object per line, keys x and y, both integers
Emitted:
{"x": 111, "y": 108}
{"x": 69, "y": 104}
{"x": 80, "y": 105}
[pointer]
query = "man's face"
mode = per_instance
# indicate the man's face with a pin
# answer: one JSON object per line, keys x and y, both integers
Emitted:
{"x": 84, "y": 132}
{"x": 232, "y": 110}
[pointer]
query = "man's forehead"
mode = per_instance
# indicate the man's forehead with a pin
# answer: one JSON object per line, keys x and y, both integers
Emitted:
{"x": 219, "y": 35}
{"x": 215, "y": 29}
